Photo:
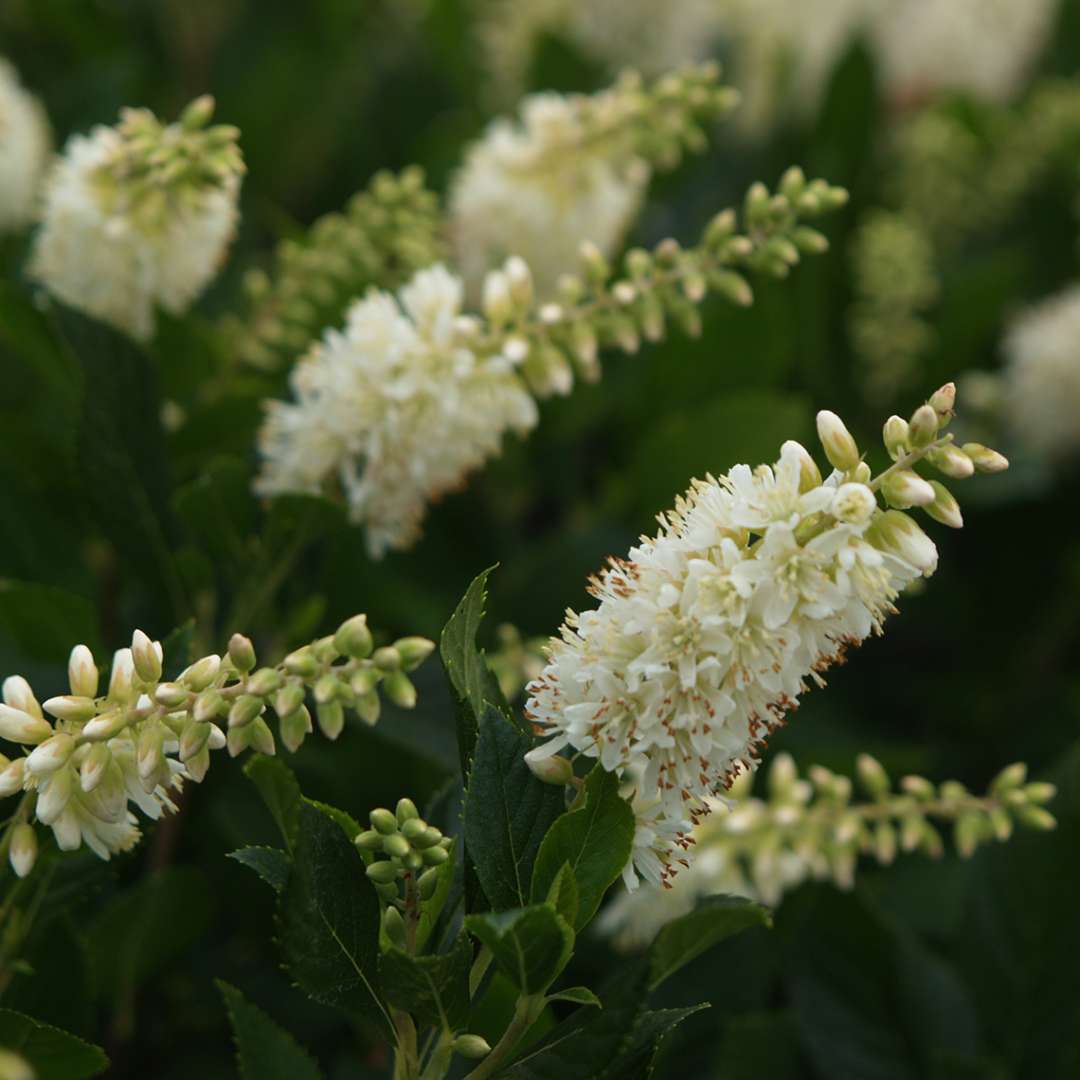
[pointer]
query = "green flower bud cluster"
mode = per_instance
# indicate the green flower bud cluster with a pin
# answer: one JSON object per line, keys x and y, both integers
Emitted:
{"x": 405, "y": 851}
{"x": 655, "y": 122}
{"x": 895, "y": 285}
{"x": 597, "y": 309}
{"x": 156, "y": 168}
{"x": 88, "y": 753}
{"x": 381, "y": 238}
{"x": 816, "y": 826}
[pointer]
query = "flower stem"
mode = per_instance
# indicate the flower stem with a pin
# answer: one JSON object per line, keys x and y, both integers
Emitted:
{"x": 525, "y": 1013}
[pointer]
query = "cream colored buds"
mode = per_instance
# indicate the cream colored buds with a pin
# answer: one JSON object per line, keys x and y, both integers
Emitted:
{"x": 853, "y": 503}
{"x": 944, "y": 508}
{"x": 146, "y": 657}
{"x": 902, "y": 534}
{"x": 82, "y": 672}
{"x": 840, "y": 448}
{"x": 241, "y": 653}
{"x": 23, "y": 850}
{"x": 943, "y": 401}
{"x": 985, "y": 459}
{"x": 905, "y": 488}
{"x": 549, "y": 768}
{"x": 809, "y": 473}
{"x": 951, "y": 461}
{"x": 51, "y": 754}
{"x": 896, "y": 436}
{"x": 923, "y": 426}
{"x": 872, "y": 776}
{"x": 18, "y": 695}
{"x": 201, "y": 674}
{"x": 69, "y": 707}
{"x": 20, "y": 727}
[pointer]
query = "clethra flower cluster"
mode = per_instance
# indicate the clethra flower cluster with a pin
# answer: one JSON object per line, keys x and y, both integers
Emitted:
{"x": 574, "y": 169}
{"x": 705, "y": 636}
{"x": 815, "y": 828}
{"x": 398, "y": 408}
{"x": 24, "y": 149}
{"x": 88, "y": 756}
{"x": 139, "y": 216}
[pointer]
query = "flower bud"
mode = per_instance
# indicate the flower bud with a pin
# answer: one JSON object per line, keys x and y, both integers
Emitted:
{"x": 324, "y": 650}
{"x": 406, "y": 811}
{"x": 82, "y": 672}
{"x": 968, "y": 833}
{"x": 11, "y": 777}
{"x": 288, "y": 699}
{"x": 943, "y": 401}
{"x": 1036, "y": 817}
{"x": 242, "y": 653}
{"x": 369, "y": 840}
{"x": 150, "y": 751}
{"x": 497, "y": 303}
{"x": 93, "y": 766}
{"x": 413, "y": 861}
{"x": 383, "y": 821}
{"x": 396, "y": 845}
{"x": 368, "y": 707}
{"x": 262, "y": 738}
{"x": 146, "y": 657}
{"x": 427, "y": 883}
{"x": 382, "y": 872}
{"x": 18, "y": 694}
{"x": 985, "y": 459}
{"x": 809, "y": 473}
{"x": 840, "y": 448}
{"x": 853, "y": 503}
{"x": 885, "y": 843}
{"x": 394, "y": 925}
{"x": 353, "y": 638}
{"x": 107, "y": 724}
{"x": 952, "y": 461}
{"x": 923, "y": 427}
{"x": 593, "y": 263}
{"x": 198, "y": 765}
{"x": 69, "y": 707}
{"x": 331, "y": 717}
{"x": 302, "y": 663}
{"x": 326, "y": 688}
{"x": 53, "y": 795}
{"x": 14, "y": 1066}
{"x": 471, "y": 1046}
{"x": 905, "y": 488}
{"x": 264, "y": 682}
{"x": 23, "y": 850}
{"x": 122, "y": 677}
{"x": 944, "y": 508}
{"x": 208, "y": 705}
{"x": 20, "y": 727}
{"x": 387, "y": 658}
{"x": 414, "y": 828}
{"x": 201, "y": 674}
{"x": 195, "y": 736}
{"x": 896, "y": 436}
{"x": 414, "y": 651}
{"x": 1040, "y": 792}
{"x": 872, "y": 776}
{"x": 171, "y": 695}
{"x": 1011, "y": 777}
{"x": 50, "y": 755}
{"x": 294, "y": 727}
{"x": 519, "y": 278}
{"x": 549, "y": 768}
{"x": 436, "y": 856}
{"x": 897, "y": 532}
{"x": 399, "y": 689}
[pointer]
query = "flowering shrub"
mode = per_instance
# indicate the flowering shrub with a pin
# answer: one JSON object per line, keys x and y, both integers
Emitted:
{"x": 445, "y": 286}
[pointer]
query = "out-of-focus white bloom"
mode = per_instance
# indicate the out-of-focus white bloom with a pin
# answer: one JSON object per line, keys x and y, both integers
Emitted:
{"x": 650, "y": 37}
{"x": 396, "y": 408}
{"x": 705, "y": 636}
{"x": 139, "y": 216}
{"x": 24, "y": 149}
{"x": 541, "y": 187}
{"x": 785, "y": 50}
{"x": 1041, "y": 393}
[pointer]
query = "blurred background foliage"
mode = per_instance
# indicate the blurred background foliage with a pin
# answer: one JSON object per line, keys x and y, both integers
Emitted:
{"x": 110, "y": 519}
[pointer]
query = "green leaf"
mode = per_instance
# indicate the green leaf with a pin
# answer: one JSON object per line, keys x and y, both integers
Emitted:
{"x": 176, "y": 647}
{"x": 507, "y": 812}
{"x": 280, "y": 791}
{"x": 432, "y": 988}
{"x": 52, "y": 1053}
{"x": 217, "y": 509}
{"x": 530, "y": 945}
{"x": 146, "y": 927}
{"x": 595, "y": 838}
{"x": 40, "y": 623}
{"x": 329, "y": 918}
{"x": 264, "y": 1051}
{"x": 563, "y": 894}
{"x": 471, "y": 680}
{"x": 579, "y": 995}
{"x": 713, "y": 920}
{"x": 349, "y": 825}
{"x": 270, "y": 863}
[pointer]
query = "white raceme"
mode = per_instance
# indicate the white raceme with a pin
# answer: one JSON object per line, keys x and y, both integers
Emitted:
{"x": 396, "y": 408}
{"x": 138, "y": 217}
{"x": 706, "y": 635}
{"x": 24, "y": 149}
{"x": 1041, "y": 388}
{"x": 538, "y": 188}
